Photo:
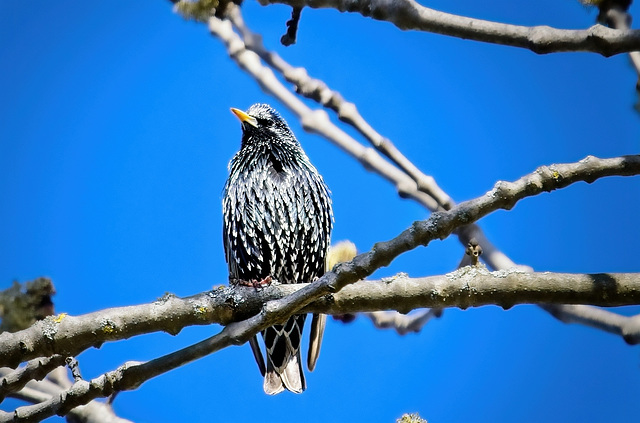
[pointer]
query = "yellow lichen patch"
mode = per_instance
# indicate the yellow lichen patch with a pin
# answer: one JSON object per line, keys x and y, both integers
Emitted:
{"x": 60, "y": 317}
{"x": 411, "y": 418}
{"x": 108, "y": 327}
{"x": 200, "y": 310}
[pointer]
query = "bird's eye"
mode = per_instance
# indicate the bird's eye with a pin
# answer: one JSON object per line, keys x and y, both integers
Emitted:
{"x": 264, "y": 122}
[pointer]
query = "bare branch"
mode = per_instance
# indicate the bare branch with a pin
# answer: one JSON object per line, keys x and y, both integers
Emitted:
{"x": 618, "y": 18}
{"x": 35, "y": 369}
{"x": 470, "y": 286}
{"x": 94, "y": 412}
{"x": 43, "y": 392}
{"x": 31, "y": 394}
{"x": 627, "y": 327}
{"x": 36, "y": 391}
{"x": 68, "y": 335}
{"x": 402, "y": 323}
{"x": 409, "y": 15}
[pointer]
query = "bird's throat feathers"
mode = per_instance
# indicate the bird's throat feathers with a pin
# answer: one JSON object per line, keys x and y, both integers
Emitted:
{"x": 264, "y": 150}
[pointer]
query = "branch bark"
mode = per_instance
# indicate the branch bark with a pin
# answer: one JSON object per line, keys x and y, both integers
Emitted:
{"x": 59, "y": 335}
{"x": 410, "y": 15}
{"x": 36, "y": 369}
{"x": 466, "y": 287}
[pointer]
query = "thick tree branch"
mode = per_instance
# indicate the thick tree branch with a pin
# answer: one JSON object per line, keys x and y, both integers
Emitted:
{"x": 466, "y": 287}
{"x": 409, "y": 15}
{"x": 59, "y": 335}
{"x": 70, "y": 335}
{"x": 402, "y": 323}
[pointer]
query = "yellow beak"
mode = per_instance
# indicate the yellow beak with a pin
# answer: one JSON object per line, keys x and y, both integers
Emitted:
{"x": 244, "y": 118}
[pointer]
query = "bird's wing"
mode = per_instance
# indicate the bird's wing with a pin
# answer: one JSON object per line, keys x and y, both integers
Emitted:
{"x": 315, "y": 339}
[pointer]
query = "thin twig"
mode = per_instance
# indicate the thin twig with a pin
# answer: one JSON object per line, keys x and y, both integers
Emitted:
{"x": 627, "y": 327}
{"x": 403, "y": 323}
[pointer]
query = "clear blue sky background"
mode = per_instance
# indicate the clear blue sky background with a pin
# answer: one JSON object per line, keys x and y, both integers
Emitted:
{"x": 115, "y": 134}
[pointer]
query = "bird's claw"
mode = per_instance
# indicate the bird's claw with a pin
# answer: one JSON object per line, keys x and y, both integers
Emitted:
{"x": 255, "y": 283}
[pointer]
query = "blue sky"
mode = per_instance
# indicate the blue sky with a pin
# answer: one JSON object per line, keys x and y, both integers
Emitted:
{"x": 115, "y": 134}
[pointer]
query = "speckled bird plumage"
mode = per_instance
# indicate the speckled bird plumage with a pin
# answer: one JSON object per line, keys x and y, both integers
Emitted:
{"x": 277, "y": 223}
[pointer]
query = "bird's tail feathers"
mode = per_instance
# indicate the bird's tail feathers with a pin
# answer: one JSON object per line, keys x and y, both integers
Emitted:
{"x": 291, "y": 377}
{"x": 284, "y": 365}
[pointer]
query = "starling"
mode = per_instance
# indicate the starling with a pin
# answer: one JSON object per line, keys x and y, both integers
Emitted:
{"x": 277, "y": 224}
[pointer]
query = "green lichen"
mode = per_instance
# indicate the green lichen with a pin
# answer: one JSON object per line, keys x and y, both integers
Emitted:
{"x": 201, "y": 10}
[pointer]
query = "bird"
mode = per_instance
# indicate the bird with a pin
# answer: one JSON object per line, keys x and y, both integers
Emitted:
{"x": 278, "y": 217}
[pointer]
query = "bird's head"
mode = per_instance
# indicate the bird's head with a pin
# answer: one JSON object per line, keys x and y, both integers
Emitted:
{"x": 263, "y": 127}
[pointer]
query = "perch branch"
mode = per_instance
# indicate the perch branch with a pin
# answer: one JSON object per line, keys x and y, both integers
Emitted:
{"x": 466, "y": 287}
{"x": 59, "y": 334}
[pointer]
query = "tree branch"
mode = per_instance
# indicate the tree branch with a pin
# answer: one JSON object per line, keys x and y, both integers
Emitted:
{"x": 68, "y": 335}
{"x": 627, "y": 327}
{"x": 466, "y": 287}
{"x": 36, "y": 369}
{"x": 409, "y": 15}
{"x": 43, "y": 392}
{"x": 619, "y": 19}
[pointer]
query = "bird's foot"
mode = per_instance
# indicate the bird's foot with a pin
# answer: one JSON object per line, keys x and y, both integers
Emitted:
{"x": 255, "y": 283}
